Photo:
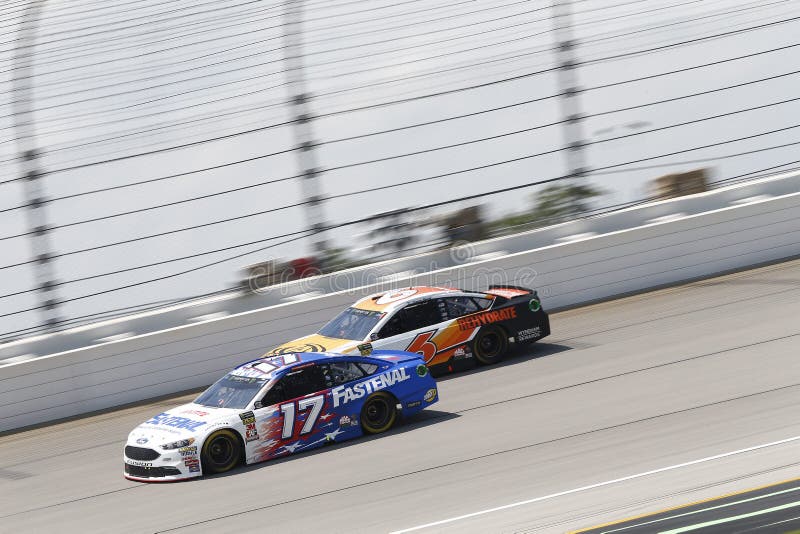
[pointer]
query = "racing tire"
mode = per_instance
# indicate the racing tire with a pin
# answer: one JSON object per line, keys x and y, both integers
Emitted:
{"x": 490, "y": 345}
{"x": 221, "y": 452}
{"x": 379, "y": 413}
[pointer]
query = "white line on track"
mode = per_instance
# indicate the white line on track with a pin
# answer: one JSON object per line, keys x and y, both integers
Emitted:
{"x": 597, "y": 485}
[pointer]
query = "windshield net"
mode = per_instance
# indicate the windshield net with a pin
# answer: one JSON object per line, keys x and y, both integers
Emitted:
{"x": 231, "y": 391}
{"x": 352, "y": 323}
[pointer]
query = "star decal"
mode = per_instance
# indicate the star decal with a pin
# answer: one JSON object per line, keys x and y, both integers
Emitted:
{"x": 293, "y": 447}
{"x": 331, "y": 436}
{"x": 326, "y": 416}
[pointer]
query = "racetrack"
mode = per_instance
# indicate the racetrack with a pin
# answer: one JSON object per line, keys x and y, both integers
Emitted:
{"x": 683, "y": 394}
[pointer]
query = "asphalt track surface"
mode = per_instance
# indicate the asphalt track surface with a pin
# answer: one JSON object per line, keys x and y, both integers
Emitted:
{"x": 630, "y": 407}
{"x": 775, "y": 507}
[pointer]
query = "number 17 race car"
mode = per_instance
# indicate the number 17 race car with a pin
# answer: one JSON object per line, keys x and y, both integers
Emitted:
{"x": 276, "y": 406}
{"x": 451, "y": 329}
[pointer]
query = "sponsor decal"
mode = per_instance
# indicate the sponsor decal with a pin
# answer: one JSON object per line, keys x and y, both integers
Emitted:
{"x": 430, "y": 395}
{"x": 530, "y": 333}
{"x": 422, "y": 370}
{"x": 250, "y": 430}
{"x": 175, "y": 422}
{"x": 535, "y": 305}
{"x": 193, "y": 464}
{"x": 394, "y": 296}
{"x": 250, "y": 433}
{"x": 345, "y": 420}
{"x": 365, "y": 349}
{"x": 247, "y": 417}
{"x": 345, "y": 394}
{"x": 413, "y": 404}
{"x": 141, "y": 441}
{"x": 462, "y": 352}
{"x": 188, "y": 451}
{"x": 195, "y": 412}
{"x": 305, "y": 347}
{"x": 473, "y": 321}
{"x": 138, "y": 463}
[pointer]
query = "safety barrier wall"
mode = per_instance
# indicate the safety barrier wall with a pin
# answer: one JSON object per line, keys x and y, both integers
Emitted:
{"x": 370, "y": 274}
{"x": 190, "y": 356}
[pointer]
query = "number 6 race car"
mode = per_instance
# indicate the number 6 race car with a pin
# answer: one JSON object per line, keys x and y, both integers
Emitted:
{"x": 449, "y": 328}
{"x": 276, "y": 406}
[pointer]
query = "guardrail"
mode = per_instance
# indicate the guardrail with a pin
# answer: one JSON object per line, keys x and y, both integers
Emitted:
{"x": 113, "y": 330}
{"x": 588, "y": 267}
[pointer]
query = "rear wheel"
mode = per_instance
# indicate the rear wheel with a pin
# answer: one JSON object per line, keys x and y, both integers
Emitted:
{"x": 379, "y": 413}
{"x": 221, "y": 451}
{"x": 490, "y": 345}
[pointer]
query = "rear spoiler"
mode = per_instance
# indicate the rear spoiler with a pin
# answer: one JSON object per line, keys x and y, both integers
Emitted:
{"x": 396, "y": 356}
{"x": 509, "y": 292}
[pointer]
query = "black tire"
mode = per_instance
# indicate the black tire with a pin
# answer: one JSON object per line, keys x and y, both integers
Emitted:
{"x": 379, "y": 413}
{"x": 490, "y": 345}
{"x": 221, "y": 452}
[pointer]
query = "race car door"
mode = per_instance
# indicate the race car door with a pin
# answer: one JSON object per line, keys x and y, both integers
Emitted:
{"x": 412, "y": 328}
{"x": 290, "y": 414}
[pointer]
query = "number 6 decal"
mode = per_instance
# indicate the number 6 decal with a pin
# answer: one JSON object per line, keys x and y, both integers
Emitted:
{"x": 423, "y": 345}
{"x": 289, "y": 412}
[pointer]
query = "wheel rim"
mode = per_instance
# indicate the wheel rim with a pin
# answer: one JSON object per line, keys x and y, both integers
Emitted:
{"x": 221, "y": 451}
{"x": 377, "y": 413}
{"x": 490, "y": 344}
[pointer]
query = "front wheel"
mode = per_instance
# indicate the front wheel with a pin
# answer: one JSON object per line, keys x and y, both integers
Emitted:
{"x": 490, "y": 345}
{"x": 221, "y": 452}
{"x": 379, "y": 413}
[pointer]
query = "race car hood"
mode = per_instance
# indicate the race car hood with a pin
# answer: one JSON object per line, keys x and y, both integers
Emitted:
{"x": 315, "y": 343}
{"x": 189, "y": 420}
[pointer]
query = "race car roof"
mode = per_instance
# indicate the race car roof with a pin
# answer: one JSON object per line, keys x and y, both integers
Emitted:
{"x": 388, "y": 300}
{"x": 266, "y": 368}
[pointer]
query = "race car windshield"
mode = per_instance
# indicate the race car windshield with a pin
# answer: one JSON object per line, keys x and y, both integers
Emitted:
{"x": 231, "y": 391}
{"x": 352, "y": 323}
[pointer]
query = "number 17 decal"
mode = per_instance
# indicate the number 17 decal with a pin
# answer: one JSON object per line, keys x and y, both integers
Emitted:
{"x": 289, "y": 412}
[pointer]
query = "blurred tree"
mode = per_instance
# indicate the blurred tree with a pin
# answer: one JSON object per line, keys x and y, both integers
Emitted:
{"x": 563, "y": 201}
{"x": 553, "y": 204}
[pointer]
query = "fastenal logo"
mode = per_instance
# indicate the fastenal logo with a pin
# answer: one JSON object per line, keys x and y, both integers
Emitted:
{"x": 343, "y": 395}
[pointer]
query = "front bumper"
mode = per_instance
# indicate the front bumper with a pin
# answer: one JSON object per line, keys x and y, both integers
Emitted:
{"x": 154, "y": 465}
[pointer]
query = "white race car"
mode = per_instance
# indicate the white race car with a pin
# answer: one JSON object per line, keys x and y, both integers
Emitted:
{"x": 276, "y": 406}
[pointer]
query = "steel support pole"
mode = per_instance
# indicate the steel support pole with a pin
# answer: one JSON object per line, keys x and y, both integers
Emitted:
{"x": 302, "y": 125}
{"x": 30, "y": 164}
{"x": 569, "y": 89}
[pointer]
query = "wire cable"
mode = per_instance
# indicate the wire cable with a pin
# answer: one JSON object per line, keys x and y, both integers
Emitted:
{"x": 597, "y": 171}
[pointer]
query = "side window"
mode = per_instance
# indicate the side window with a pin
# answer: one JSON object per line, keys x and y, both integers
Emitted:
{"x": 368, "y": 368}
{"x": 483, "y": 303}
{"x": 342, "y": 372}
{"x": 455, "y": 307}
{"x": 421, "y": 315}
{"x": 412, "y": 317}
{"x": 296, "y": 384}
{"x": 394, "y": 326}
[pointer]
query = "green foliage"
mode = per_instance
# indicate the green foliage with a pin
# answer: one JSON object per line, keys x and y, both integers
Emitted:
{"x": 563, "y": 201}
